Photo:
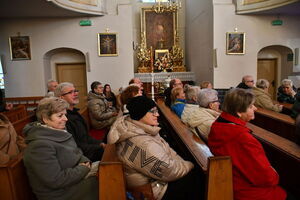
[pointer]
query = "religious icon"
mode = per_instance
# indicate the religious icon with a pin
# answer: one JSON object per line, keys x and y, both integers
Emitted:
{"x": 235, "y": 43}
{"x": 107, "y": 44}
{"x": 19, "y": 48}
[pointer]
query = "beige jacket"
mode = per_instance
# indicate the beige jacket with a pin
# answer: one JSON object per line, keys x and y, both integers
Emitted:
{"x": 147, "y": 157}
{"x": 264, "y": 100}
{"x": 200, "y": 118}
{"x": 101, "y": 114}
{"x": 10, "y": 143}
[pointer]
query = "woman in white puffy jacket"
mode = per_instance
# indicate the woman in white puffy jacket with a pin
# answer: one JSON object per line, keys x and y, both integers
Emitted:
{"x": 146, "y": 156}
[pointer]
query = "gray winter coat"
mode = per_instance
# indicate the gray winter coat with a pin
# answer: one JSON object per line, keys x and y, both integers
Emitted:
{"x": 52, "y": 163}
{"x": 100, "y": 114}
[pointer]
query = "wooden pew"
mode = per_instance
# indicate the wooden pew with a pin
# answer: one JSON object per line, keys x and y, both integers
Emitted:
{"x": 29, "y": 102}
{"x": 278, "y": 123}
{"x": 13, "y": 178}
{"x": 284, "y": 156}
{"x": 14, "y": 181}
{"x": 216, "y": 171}
{"x": 16, "y": 113}
{"x": 111, "y": 175}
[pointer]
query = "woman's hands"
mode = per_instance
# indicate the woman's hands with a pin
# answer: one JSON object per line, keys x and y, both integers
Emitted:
{"x": 87, "y": 164}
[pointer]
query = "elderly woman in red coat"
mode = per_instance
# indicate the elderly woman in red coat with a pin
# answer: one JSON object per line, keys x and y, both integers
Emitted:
{"x": 253, "y": 176}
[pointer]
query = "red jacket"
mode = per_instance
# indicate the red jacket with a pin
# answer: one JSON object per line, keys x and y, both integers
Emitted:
{"x": 253, "y": 176}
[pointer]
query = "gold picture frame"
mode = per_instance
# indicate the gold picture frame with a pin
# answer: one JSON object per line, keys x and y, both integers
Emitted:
{"x": 19, "y": 48}
{"x": 159, "y": 53}
{"x": 107, "y": 44}
{"x": 159, "y": 29}
{"x": 235, "y": 43}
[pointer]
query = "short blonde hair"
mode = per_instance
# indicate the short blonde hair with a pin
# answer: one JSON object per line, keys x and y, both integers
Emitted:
{"x": 174, "y": 93}
{"x": 204, "y": 84}
{"x": 49, "y": 106}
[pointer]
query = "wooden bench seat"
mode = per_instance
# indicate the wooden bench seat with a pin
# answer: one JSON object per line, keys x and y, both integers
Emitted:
{"x": 278, "y": 123}
{"x": 216, "y": 170}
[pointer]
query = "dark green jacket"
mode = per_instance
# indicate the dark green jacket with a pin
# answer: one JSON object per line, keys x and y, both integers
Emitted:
{"x": 52, "y": 163}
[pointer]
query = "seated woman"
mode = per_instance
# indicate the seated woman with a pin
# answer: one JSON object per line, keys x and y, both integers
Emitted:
{"x": 55, "y": 165}
{"x": 102, "y": 115}
{"x": 203, "y": 113}
{"x": 147, "y": 158}
{"x": 130, "y": 91}
{"x": 10, "y": 143}
{"x": 253, "y": 176}
{"x": 206, "y": 84}
{"x": 286, "y": 92}
{"x": 178, "y": 100}
{"x": 263, "y": 98}
{"x": 109, "y": 95}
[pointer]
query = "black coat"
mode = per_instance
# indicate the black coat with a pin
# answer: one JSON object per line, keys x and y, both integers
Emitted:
{"x": 76, "y": 125}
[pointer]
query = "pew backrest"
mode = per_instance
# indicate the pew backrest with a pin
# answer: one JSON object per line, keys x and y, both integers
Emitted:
{"x": 218, "y": 170}
{"x": 29, "y": 102}
{"x": 14, "y": 181}
{"x": 278, "y": 123}
{"x": 111, "y": 175}
{"x": 16, "y": 113}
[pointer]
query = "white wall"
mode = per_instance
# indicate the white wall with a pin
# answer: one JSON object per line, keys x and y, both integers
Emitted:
{"x": 52, "y": 33}
{"x": 199, "y": 39}
{"x": 259, "y": 33}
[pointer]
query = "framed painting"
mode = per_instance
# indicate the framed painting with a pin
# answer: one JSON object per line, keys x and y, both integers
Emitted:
{"x": 19, "y": 48}
{"x": 160, "y": 53}
{"x": 159, "y": 29}
{"x": 107, "y": 44}
{"x": 235, "y": 43}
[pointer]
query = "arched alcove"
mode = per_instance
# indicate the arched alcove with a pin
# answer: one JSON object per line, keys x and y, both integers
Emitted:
{"x": 67, "y": 65}
{"x": 274, "y": 64}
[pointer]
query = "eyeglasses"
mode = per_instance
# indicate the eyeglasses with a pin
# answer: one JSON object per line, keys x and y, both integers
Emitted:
{"x": 153, "y": 111}
{"x": 251, "y": 81}
{"x": 71, "y": 92}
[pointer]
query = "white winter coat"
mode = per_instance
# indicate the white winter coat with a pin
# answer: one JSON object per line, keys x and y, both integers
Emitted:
{"x": 147, "y": 157}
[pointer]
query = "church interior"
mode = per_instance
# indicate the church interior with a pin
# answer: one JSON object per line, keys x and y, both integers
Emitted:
{"x": 155, "y": 41}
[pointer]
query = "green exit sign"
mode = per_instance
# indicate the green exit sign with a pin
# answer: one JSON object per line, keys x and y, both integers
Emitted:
{"x": 85, "y": 22}
{"x": 277, "y": 22}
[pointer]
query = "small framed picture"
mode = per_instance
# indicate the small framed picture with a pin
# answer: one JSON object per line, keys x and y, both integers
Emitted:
{"x": 19, "y": 48}
{"x": 235, "y": 43}
{"x": 107, "y": 44}
{"x": 160, "y": 53}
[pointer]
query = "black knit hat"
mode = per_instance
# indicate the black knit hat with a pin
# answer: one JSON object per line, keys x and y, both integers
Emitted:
{"x": 139, "y": 106}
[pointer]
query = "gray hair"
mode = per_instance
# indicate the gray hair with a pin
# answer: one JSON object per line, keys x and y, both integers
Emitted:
{"x": 50, "y": 81}
{"x": 49, "y": 106}
{"x": 262, "y": 83}
{"x": 60, "y": 88}
{"x": 192, "y": 92}
{"x": 287, "y": 82}
{"x": 206, "y": 96}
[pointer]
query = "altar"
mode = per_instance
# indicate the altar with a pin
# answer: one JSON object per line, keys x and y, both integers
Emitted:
{"x": 162, "y": 79}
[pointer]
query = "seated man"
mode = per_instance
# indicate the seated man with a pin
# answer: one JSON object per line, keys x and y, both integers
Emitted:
{"x": 286, "y": 92}
{"x": 93, "y": 149}
{"x": 51, "y": 85}
{"x": 247, "y": 82}
{"x": 201, "y": 110}
{"x": 102, "y": 115}
{"x": 173, "y": 84}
